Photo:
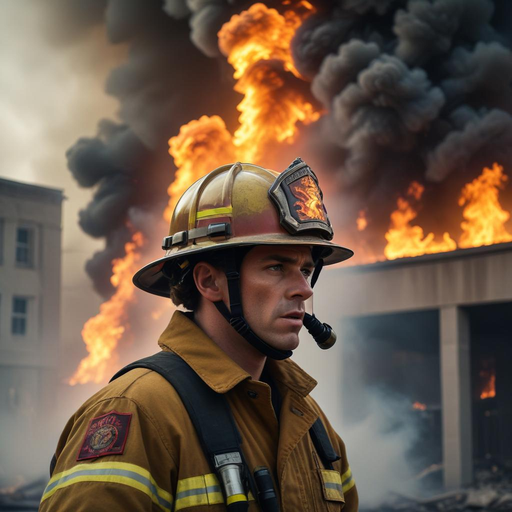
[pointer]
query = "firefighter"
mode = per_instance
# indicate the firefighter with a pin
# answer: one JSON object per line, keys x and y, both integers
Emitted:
{"x": 245, "y": 247}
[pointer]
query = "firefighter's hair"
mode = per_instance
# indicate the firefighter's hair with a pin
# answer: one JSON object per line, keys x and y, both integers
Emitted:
{"x": 186, "y": 294}
{"x": 183, "y": 290}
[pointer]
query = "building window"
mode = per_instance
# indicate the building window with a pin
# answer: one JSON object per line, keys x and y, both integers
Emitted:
{"x": 24, "y": 247}
{"x": 1, "y": 241}
{"x": 19, "y": 316}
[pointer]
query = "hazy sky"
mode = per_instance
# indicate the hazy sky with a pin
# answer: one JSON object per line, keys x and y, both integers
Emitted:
{"x": 52, "y": 93}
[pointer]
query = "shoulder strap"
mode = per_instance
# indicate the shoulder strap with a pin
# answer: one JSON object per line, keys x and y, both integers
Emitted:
{"x": 323, "y": 444}
{"x": 208, "y": 410}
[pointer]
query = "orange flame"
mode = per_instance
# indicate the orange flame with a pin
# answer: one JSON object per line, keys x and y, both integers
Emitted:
{"x": 406, "y": 240}
{"x": 418, "y": 406}
{"x": 258, "y": 34}
{"x": 485, "y": 218}
{"x": 257, "y": 44}
{"x": 487, "y": 379}
{"x": 489, "y": 390}
{"x": 101, "y": 333}
{"x": 362, "y": 221}
{"x": 199, "y": 147}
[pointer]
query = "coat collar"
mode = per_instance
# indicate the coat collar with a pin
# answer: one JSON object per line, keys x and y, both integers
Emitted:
{"x": 215, "y": 367}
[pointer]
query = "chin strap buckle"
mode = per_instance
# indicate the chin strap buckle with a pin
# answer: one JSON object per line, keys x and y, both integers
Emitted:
{"x": 239, "y": 324}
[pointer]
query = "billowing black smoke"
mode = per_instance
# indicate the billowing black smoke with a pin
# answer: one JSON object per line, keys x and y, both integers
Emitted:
{"x": 164, "y": 83}
{"x": 417, "y": 89}
{"x": 427, "y": 87}
{"x": 414, "y": 90}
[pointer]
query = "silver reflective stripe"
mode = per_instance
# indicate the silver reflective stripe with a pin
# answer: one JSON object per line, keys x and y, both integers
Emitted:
{"x": 199, "y": 490}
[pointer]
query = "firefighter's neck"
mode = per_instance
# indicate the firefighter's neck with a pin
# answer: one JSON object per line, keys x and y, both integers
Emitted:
{"x": 208, "y": 318}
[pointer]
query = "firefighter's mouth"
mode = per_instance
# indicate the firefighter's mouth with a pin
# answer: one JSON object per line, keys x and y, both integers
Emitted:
{"x": 294, "y": 315}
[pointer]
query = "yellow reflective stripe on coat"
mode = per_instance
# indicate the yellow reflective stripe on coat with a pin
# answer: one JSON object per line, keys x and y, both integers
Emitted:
{"x": 116, "y": 472}
{"x": 203, "y": 490}
{"x": 198, "y": 490}
{"x": 214, "y": 212}
{"x": 347, "y": 481}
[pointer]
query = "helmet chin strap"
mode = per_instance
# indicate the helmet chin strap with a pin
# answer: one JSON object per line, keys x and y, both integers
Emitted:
{"x": 235, "y": 316}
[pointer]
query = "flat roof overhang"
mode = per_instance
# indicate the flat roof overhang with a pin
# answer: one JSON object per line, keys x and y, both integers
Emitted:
{"x": 463, "y": 277}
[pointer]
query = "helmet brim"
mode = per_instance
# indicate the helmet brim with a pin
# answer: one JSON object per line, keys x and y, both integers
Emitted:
{"x": 151, "y": 279}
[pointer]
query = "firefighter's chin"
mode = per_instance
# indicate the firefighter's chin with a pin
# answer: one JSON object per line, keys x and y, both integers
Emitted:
{"x": 284, "y": 335}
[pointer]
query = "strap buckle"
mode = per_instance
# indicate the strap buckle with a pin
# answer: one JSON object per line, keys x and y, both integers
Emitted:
{"x": 239, "y": 324}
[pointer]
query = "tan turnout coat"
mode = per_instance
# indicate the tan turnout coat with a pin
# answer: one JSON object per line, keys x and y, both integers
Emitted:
{"x": 156, "y": 462}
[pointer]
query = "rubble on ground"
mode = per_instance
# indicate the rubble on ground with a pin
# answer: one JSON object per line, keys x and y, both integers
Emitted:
{"x": 23, "y": 497}
{"x": 492, "y": 491}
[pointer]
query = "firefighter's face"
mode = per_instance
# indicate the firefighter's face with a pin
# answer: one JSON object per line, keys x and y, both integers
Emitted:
{"x": 275, "y": 286}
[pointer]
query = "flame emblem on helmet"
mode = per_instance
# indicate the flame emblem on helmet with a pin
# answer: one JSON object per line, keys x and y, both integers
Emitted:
{"x": 309, "y": 205}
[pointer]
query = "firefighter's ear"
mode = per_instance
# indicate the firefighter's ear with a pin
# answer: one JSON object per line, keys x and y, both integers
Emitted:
{"x": 210, "y": 281}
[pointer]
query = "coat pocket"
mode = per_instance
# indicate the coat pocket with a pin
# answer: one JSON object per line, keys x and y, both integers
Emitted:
{"x": 331, "y": 485}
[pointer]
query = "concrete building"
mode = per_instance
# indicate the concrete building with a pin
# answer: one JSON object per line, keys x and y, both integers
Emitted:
{"x": 30, "y": 283}
{"x": 436, "y": 329}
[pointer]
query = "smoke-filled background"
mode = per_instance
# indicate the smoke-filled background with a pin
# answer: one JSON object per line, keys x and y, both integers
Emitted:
{"x": 411, "y": 90}
{"x": 94, "y": 89}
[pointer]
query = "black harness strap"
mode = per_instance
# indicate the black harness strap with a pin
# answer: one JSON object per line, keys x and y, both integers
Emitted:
{"x": 210, "y": 413}
{"x": 208, "y": 410}
{"x": 323, "y": 444}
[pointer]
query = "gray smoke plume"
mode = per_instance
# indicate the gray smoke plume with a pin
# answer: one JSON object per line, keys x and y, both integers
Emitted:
{"x": 417, "y": 89}
{"x": 396, "y": 92}
{"x": 425, "y": 29}
{"x": 473, "y": 133}
{"x": 160, "y": 87}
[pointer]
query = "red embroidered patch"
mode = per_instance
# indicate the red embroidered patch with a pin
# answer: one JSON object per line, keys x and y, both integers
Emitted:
{"x": 106, "y": 435}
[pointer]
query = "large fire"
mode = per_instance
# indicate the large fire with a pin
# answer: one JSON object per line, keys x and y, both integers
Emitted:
{"x": 276, "y": 100}
{"x": 484, "y": 222}
{"x": 102, "y": 333}
{"x": 257, "y": 45}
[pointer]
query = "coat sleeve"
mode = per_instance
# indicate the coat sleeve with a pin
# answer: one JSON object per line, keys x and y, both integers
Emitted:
{"x": 111, "y": 456}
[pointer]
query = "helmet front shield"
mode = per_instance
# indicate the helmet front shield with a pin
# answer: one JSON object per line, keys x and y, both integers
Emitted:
{"x": 299, "y": 200}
